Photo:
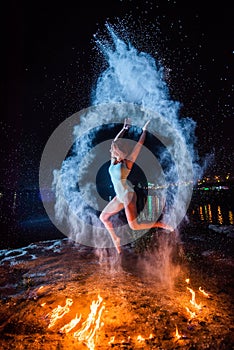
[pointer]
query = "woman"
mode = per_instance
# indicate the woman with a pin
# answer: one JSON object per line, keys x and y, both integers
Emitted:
{"x": 120, "y": 167}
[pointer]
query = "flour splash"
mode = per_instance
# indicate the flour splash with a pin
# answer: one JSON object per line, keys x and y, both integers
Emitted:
{"x": 132, "y": 85}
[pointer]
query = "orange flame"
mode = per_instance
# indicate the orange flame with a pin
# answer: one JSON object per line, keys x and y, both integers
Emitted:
{"x": 59, "y": 312}
{"x": 193, "y": 301}
{"x": 69, "y": 326}
{"x": 177, "y": 335}
{"x": 187, "y": 280}
{"x": 204, "y": 293}
{"x": 192, "y": 314}
{"x": 89, "y": 327}
{"x": 140, "y": 338}
{"x": 111, "y": 341}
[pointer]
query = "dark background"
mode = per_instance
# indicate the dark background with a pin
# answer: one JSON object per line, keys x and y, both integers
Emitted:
{"x": 50, "y": 64}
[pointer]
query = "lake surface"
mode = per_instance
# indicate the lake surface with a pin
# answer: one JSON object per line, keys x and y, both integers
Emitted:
{"x": 23, "y": 218}
{"x": 215, "y": 208}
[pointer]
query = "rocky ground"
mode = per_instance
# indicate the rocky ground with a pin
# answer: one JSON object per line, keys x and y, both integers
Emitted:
{"x": 138, "y": 300}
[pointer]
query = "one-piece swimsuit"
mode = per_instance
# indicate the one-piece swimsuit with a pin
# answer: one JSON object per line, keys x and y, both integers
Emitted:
{"x": 119, "y": 174}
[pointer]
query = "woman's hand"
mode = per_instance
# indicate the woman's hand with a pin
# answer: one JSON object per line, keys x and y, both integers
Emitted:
{"x": 127, "y": 123}
{"x": 145, "y": 126}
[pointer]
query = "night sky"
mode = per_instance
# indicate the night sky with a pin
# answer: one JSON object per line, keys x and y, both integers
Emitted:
{"x": 51, "y": 64}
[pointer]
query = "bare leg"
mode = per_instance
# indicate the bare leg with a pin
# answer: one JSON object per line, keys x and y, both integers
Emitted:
{"x": 111, "y": 209}
{"x": 131, "y": 214}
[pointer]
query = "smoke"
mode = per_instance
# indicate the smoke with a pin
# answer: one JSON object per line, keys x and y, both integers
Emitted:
{"x": 132, "y": 86}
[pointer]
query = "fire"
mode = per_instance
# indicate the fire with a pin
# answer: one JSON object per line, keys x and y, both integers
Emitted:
{"x": 89, "y": 327}
{"x": 193, "y": 301}
{"x": 177, "y": 335}
{"x": 140, "y": 338}
{"x": 192, "y": 314}
{"x": 111, "y": 341}
{"x": 204, "y": 293}
{"x": 87, "y": 333}
{"x": 59, "y": 312}
{"x": 69, "y": 326}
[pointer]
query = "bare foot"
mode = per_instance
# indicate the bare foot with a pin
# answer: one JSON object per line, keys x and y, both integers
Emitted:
{"x": 164, "y": 226}
{"x": 117, "y": 244}
{"x": 169, "y": 228}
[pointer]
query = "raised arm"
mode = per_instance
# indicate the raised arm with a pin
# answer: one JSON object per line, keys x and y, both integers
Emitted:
{"x": 127, "y": 123}
{"x": 137, "y": 148}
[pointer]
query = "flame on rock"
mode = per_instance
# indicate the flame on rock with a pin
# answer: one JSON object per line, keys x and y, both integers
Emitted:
{"x": 59, "y": 312}
{"x": 89, "y": 327}
{"x": 192, "y": 314}
{"x": 177, "y": 335}
{"x": 111, "y": 341}
{"x": 140, "y": 338}
{"x": 204, "y": 293}
{"x": 87, "y": 333}
{"x": 193, "y": 301}
{"x": 69, "y": 326}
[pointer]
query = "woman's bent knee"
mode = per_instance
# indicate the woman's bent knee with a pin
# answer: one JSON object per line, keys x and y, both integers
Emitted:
{"x": 133, "y": 225}
{"x": 104, "y": 217}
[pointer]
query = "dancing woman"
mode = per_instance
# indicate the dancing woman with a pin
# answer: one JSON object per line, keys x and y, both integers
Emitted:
{"x": 126, "y": 198}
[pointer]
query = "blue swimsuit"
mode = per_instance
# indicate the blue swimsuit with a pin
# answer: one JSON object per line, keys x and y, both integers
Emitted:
{"x": 119, "y": 173}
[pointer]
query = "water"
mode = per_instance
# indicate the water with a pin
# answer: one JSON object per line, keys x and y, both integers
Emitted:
{"x": 24, "y": 220}
{"x": 215, "y": 208}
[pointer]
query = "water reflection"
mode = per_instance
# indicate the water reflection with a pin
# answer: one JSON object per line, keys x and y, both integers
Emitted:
{"x": 230, "y": 215}
{"x": 213, "y": 213}
{"x": 20, "y": 206}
